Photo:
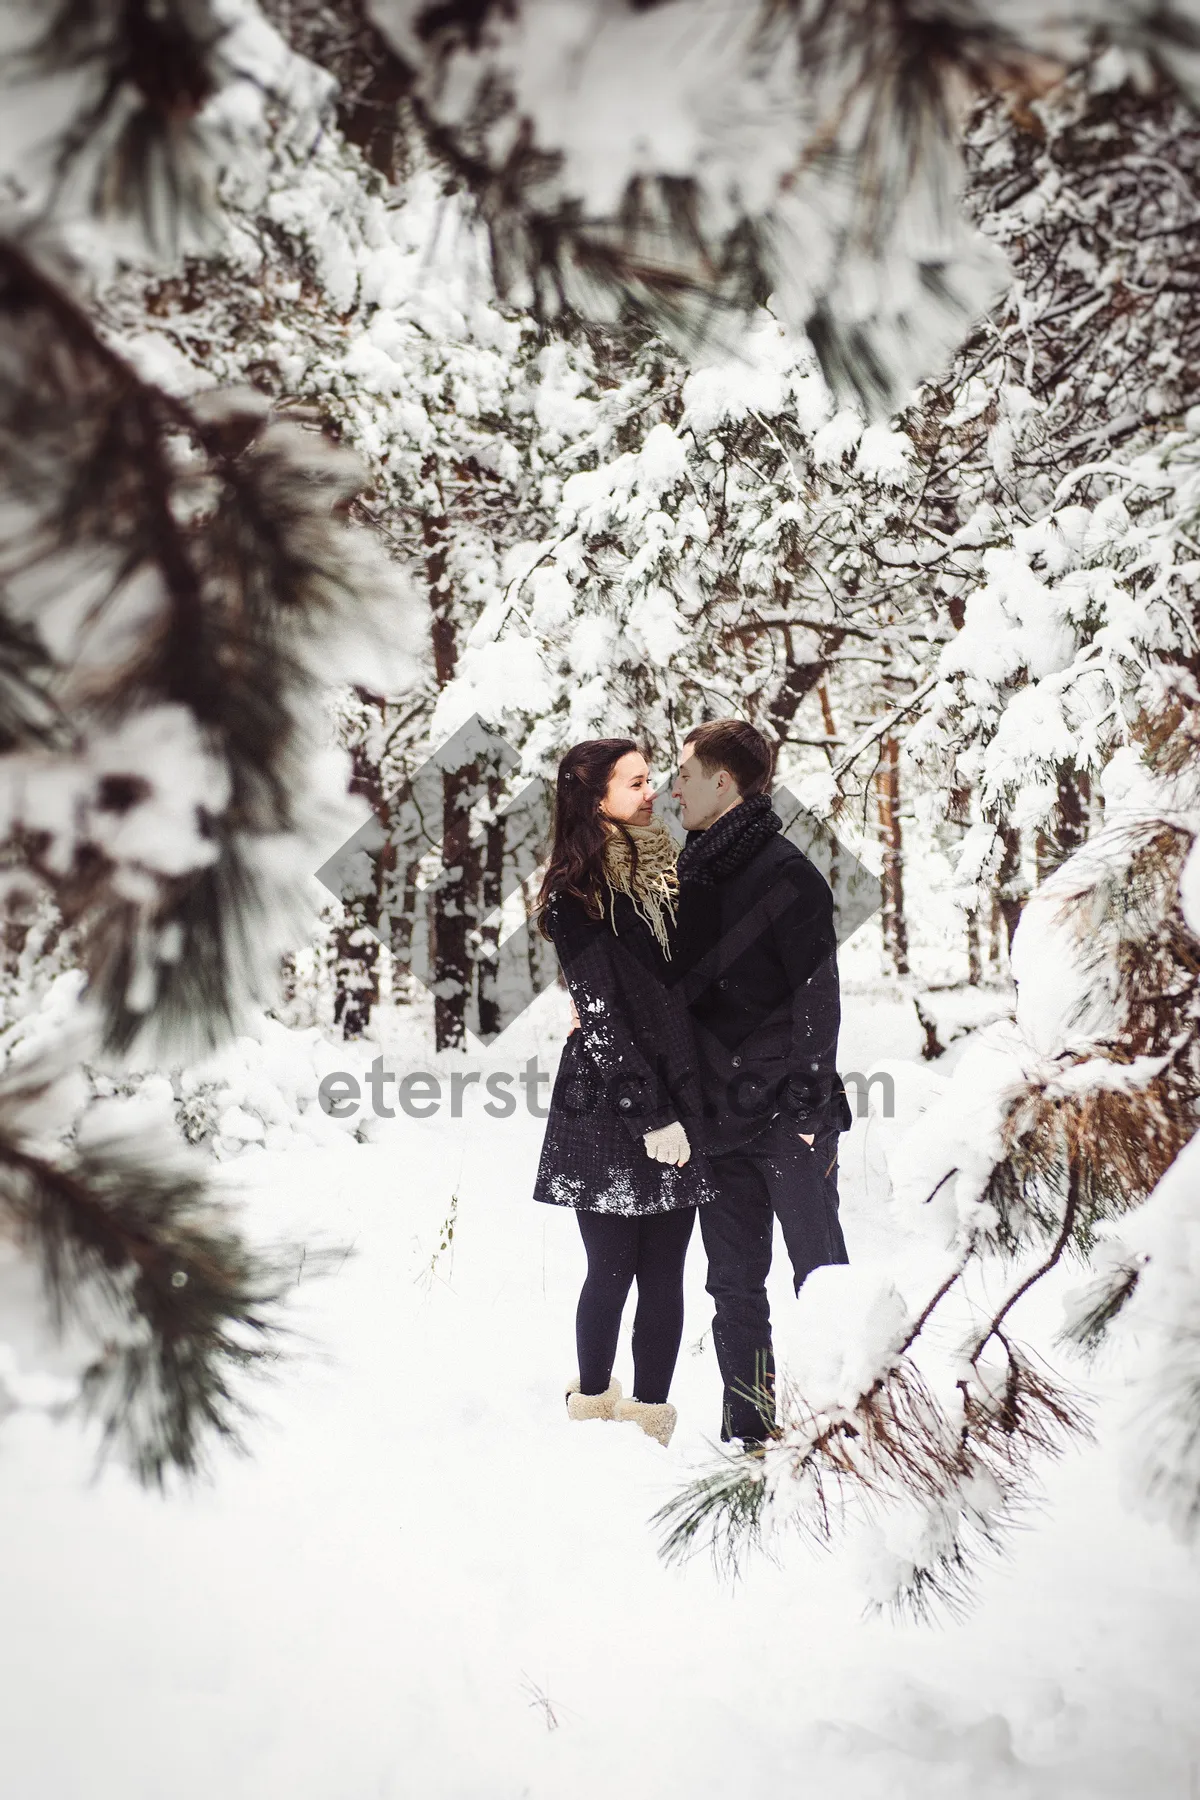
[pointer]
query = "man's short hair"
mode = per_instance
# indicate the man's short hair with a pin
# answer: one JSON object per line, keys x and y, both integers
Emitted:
{"x": 739, "y": 749}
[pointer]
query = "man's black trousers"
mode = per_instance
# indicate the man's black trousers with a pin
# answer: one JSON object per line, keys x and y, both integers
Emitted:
{"x": 777, "y": 1175}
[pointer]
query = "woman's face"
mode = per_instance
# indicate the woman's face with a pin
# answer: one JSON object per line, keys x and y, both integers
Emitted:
{"x": 629, "y": 797}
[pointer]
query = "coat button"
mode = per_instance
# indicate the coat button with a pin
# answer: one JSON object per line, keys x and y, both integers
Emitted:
{"x": 737, "y": 1062}
{"x": 624, "y": 1100}
{"x": 722, "y": 983}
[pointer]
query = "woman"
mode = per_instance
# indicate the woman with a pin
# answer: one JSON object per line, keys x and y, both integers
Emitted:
{"x": 616, "y": 1147}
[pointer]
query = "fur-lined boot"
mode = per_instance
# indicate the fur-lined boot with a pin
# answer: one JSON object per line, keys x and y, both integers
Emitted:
{"x": 656, "y": 1418}
{"x": 592, "y": 1406}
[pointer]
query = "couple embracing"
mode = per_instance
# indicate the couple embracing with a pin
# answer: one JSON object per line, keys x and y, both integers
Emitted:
{"x": 701, "y": 1074}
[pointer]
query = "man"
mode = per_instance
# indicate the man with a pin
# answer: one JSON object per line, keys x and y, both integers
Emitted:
{"x": 758, "y": 955}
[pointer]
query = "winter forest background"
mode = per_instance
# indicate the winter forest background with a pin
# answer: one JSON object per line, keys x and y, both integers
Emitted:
{"x": 585, "y": 368}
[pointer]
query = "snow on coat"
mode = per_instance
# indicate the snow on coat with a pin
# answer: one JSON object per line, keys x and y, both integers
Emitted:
{"x": 629, "y": 1069}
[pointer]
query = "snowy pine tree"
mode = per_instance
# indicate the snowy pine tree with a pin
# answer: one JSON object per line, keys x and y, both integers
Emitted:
{"x": 253, "y": 369}
{"x": 1062, "y": 717}
{"x": 179, "y": 585}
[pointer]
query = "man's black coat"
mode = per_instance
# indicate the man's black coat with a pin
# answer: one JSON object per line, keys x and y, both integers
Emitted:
{"x": 757, "y": 954}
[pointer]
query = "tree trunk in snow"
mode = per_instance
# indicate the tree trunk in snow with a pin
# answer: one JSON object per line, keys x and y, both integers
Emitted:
{"x": 356, "y": 979}
{"x": 455, "y": 909}
{"x": 456, "y": 893}
{"x": 534, "y": 942}
{"x": 400, "y": 934}
{"x": 830, "y": 724}
{"x": 1069, "y": 826}
{"x": 1010, "y": 891}
{"x": 491, "y": 896}
{"x": 887, "y": 795}
{"x": 974, "y": 949}
{"x": 802, "y": 674}
{"x": 356, "y": 944}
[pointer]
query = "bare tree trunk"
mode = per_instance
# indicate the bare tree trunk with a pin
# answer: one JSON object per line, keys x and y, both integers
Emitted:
{"x": 356, "y": 978}
{"x": 402, "y": 918}
{"x": 974, "y": 949}
{"x": 457, "y": 893}
{"x": 288, "y": 985}
{"x": 13, "y": 934}
{"x": 533, "y": 938}
{"x": 827, "y": 718}
{"x": 1069, "y": 825}
{"x": 1010, "y": 894}
{"x": 830, "y": 747}
{"x": 800, "y": 678}
{"x": 1074, "y": 808}
{"x": 997, "y": 936}
{"x": 356, "y": 945}
{"x": 887, "y": 794}
{"x": 372, "y": 83}
{"x": 457, "y": 902}
{"x": 491, "y": 897}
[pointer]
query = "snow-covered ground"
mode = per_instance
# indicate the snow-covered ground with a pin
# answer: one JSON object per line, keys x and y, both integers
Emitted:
{"x": 426, "y": 1582}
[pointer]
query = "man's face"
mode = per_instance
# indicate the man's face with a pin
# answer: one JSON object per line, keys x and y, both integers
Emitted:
{"x": 702, "y": 797}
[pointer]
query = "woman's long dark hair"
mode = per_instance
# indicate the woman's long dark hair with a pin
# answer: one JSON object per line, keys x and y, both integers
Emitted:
{"x": 577, "y": 856}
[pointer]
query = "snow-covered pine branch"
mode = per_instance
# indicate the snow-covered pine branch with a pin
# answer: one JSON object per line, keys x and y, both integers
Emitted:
{"x": 1059, "y": 464}
{"x": 696, "y": 158}
{"x": 179, "y": 584}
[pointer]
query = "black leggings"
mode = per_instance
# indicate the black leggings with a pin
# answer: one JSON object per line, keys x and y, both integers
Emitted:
{"x": 618, "y": 1249}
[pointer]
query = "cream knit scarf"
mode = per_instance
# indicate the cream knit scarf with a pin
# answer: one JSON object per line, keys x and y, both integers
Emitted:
{"x": 654, "y": 886}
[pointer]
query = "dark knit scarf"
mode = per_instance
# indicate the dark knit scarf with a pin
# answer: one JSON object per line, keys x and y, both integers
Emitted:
{"x": 709, "y": 856}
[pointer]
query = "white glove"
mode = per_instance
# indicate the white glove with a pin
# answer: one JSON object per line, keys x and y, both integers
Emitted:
{"x": 670, "y": 1145}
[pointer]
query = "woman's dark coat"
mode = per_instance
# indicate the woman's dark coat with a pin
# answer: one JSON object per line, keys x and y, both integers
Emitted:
{"x": 629, "y": 1069}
